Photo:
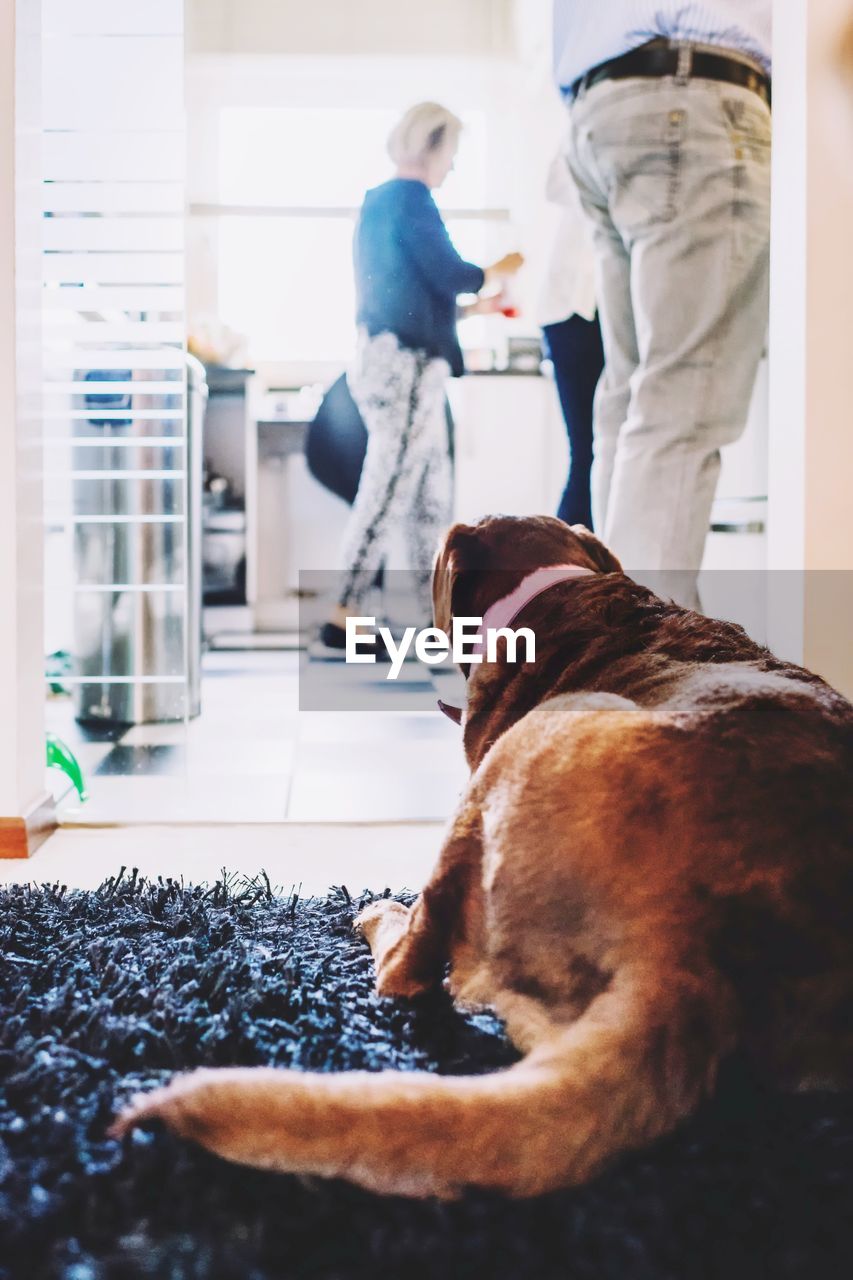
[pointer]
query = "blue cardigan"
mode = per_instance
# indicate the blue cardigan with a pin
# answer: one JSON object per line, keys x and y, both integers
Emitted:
{"x": 407, "y": 272}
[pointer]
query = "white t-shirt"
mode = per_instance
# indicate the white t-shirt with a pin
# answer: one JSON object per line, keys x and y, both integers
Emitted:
{"x": 568, "y": 286}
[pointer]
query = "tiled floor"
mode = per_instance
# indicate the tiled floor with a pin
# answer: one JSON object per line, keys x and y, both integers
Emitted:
{"x": 253, "y": 757}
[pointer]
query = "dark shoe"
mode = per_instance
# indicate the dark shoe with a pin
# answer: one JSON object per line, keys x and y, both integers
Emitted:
{"x": 333, "y": 636}
{"x": 333, "y": 640}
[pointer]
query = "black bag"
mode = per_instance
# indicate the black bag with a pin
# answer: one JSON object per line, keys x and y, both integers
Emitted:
{"x": 337, "y": 442}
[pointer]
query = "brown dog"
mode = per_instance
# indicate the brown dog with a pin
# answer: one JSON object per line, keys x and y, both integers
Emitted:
{"x": 652, "y": 865}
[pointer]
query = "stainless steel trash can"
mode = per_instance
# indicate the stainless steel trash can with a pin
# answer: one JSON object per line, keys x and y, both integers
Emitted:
{"x": 137, "y": 610}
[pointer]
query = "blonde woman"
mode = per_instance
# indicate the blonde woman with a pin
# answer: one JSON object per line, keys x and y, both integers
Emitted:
{"x": 408, "y": 277}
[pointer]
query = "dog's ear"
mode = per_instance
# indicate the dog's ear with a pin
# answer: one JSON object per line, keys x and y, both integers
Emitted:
{"x": 454, "y": 557}
{"x": 452, "y": 713}
{"x": 601, "y": 559}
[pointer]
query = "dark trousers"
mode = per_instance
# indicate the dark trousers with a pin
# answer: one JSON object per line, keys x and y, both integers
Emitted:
{"x": 575, "y": 348}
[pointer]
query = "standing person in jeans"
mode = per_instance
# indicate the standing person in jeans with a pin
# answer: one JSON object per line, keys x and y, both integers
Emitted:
{"x": 572, "y": 334}
{"x": 669, "y": 143}
{"x": 408, "y": 278}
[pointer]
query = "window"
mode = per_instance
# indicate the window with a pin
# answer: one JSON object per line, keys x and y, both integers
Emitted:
{"x": 328, "y": 157}
{"x": 286, "y": 283}
{"x": 291, "y": 181}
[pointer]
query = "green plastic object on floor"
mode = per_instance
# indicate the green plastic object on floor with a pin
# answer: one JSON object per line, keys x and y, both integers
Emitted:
{"x": 57, "y": 666}
{"x": 60, "y": 756}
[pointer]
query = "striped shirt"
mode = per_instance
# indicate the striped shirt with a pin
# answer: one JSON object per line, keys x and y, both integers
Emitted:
{"x": 588, "y": 32}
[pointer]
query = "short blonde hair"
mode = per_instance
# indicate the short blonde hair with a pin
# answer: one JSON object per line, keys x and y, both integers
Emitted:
{"x": 423, "y": 130}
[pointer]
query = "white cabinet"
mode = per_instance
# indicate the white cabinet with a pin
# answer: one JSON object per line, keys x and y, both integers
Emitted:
{"x": 512, "y": 454}
{"x": 744, "y": 470}
{"x": 738, "y": 535}
{"x": 733, "y": 583}
{"x": 294, "y": 525}
{"x": 511, "y": 457}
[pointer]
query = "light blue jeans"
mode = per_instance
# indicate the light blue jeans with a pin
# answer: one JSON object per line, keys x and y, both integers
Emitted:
{"x": 676, "y": 178}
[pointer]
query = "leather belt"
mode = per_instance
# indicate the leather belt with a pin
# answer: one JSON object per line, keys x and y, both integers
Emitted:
{"x": 663, "y": 58}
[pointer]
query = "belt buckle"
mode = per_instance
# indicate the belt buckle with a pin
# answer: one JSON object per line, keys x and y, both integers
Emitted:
{"x": 579, "y": 88}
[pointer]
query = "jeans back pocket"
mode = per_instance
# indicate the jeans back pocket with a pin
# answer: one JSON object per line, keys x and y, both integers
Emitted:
{"x": 643, "y": 165}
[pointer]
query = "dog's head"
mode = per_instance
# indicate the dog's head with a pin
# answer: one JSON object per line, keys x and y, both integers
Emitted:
{"x": 478, "y": 564}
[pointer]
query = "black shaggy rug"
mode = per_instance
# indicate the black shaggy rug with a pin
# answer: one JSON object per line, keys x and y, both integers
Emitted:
{"x": 104, "y": 993}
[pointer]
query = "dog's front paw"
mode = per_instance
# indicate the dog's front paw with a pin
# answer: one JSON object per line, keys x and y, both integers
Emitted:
{"x": 247, "y": 1114}
{"x": 187, "y": 1107}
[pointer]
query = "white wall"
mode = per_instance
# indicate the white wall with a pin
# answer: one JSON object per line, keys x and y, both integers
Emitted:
{"x": 21, "y": 653}
{"x": 361, "y": 27}
{"x": 811, "y": 407}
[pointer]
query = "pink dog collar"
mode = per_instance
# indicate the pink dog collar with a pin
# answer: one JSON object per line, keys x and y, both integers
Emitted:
{"x": 504, "y": 611}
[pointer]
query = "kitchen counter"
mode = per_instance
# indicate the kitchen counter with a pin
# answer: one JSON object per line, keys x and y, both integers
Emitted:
{"x": 504, "y": 373}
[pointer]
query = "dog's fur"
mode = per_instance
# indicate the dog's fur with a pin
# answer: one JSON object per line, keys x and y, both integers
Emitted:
{"x": 652, "y": 866}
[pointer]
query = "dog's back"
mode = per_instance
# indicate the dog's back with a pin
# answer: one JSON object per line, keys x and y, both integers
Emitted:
{"x": 714, "y": 795}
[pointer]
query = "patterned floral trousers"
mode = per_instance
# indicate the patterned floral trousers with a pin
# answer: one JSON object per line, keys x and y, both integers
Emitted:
{"x": 406, "y": 485}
